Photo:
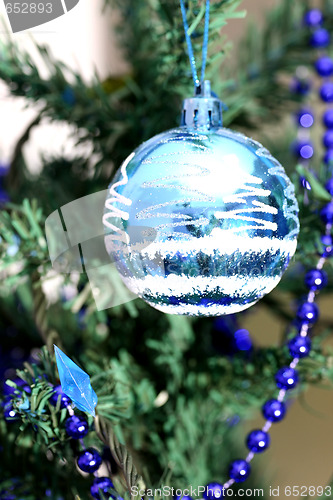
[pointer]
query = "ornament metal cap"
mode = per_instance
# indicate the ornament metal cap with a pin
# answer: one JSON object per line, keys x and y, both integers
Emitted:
{"x": 203, "y": 110}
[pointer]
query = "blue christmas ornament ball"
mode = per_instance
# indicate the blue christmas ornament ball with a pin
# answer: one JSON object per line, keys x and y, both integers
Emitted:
{"x": 201, "y": 220}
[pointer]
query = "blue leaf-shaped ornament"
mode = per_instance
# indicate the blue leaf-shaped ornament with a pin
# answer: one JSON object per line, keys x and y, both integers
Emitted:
{"x": 75, "y": 383}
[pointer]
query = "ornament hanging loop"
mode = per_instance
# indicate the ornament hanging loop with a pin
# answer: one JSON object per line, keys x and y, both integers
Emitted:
{"x": 195, "y": 77}
{"x": 203, "y": 111}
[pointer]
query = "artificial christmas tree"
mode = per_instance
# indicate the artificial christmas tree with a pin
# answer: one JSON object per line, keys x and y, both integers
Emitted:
{"x": 174, "y": 393}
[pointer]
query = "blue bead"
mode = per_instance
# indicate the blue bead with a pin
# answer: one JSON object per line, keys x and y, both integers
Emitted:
{"x": 102, "y": 485}
{"x": 258, "y": 441}
{"x": 64, "y": 401}
{"x": 326, "y": 92}
{"x": 299, "y": 347}
{"x": 328, "y": 156}
{"x": 329, "y": 186}
{"x": 301, "y": 87}
{"x": 274, "y": 410}
{"x": 320, "y": 38}
{"x": 326, "y": 213}
{"x": 304, "y": 183}
{"x": 68, "y": 96}
{"x": 328, "y": 139}
{"x": 89, "y": 460}
{"x": 239, "y": 470}
{"x": 4, "y": 169}
{"x": 286, "y": 378}
{"x": 305, "y": 118}
{"x": 313, "y": 17}
{"x": 327, "y": 241}
{"x": 22, "y": 385}
{"x": 328, "y": 118}
{"x": 315, "y": 279}
{"x": 213, "y": 491}
{"x": 9, "y": 413}
{"x": 303, "y": 149}
{"x": 324, "y": 66}
{"x": 308, "y": 312}
{"x": 76, "y": 427}
{"x": 243, "y": 340}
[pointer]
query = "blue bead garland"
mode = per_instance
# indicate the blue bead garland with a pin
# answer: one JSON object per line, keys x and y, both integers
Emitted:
{"x": 299, "y": 346}
{"x": 89, "y": 460}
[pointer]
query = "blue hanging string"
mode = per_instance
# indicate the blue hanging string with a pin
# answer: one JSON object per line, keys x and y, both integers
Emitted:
{"x": 189, "y": 44}
{"x": 205, "y": 42}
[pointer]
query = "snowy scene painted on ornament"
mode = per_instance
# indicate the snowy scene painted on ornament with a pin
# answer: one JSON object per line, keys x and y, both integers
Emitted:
{"x": 225, "y": 217}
